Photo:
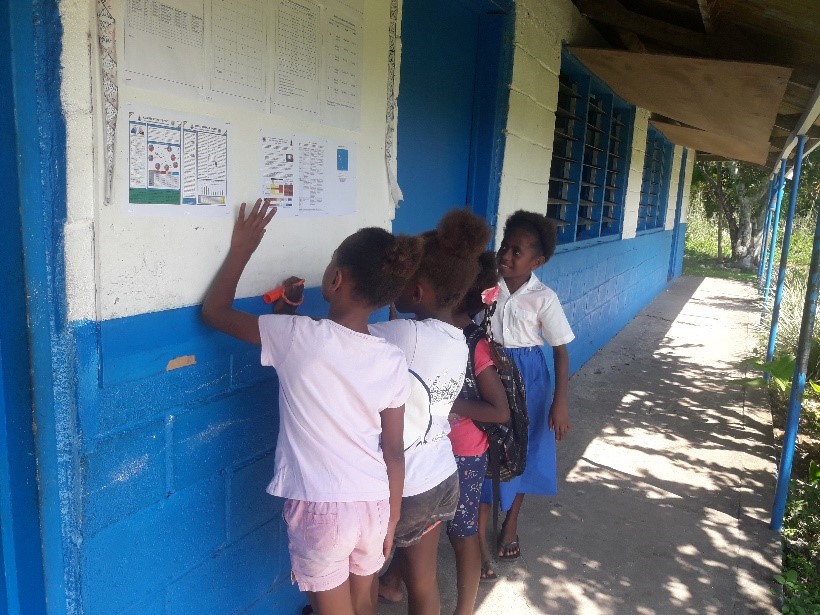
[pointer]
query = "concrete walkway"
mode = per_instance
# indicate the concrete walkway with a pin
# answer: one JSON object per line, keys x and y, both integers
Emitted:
{"x": 666, "y": 480}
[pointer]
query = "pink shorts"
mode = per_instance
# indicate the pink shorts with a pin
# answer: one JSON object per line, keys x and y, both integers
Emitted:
{"x": 329, "y": 541}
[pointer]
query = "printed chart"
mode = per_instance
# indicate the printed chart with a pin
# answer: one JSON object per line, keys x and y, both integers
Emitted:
{"x": 176, "y": 161}
{"x": 307, "y": 176}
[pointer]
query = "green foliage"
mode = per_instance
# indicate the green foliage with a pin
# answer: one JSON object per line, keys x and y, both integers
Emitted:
{"x": 700, "y": 251}
{"x": 814, "y": 472}
{"x": 801, "y": 549}
{"x": 780, "y": 372}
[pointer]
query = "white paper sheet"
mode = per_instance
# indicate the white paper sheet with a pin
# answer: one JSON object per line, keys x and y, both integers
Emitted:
{"x": 297, "y": 57}
{"x": 165, "y": 40}
{"x": 239, "y": 41}
{"x": 177, "y": 164}
{"x": 308, "y": 176}
{"x": 342, "y": 49}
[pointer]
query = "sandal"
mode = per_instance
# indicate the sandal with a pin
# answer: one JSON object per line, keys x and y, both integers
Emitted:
{"x": 488, "y": 575}
{"x": 509, "y": 550}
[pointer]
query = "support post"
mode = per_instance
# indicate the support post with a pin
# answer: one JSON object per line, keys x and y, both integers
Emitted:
{"x": 781, "y": 184}
{"x": 761, "y": 259}
{"x": 803, "y": 347}
{"x": 784, "y": 257}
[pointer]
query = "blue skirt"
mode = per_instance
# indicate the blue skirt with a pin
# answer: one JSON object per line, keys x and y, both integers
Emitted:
{"x": 540, "y": 476}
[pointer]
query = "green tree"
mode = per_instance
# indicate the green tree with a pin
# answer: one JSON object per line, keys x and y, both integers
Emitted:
{"x": 738, "y": 190}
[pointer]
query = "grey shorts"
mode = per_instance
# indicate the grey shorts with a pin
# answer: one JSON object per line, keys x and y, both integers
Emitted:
{"x": 423, "y": 512}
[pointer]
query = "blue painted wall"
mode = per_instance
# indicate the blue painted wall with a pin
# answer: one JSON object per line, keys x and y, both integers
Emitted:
{"x": 603, "y": 286}
{"x": 21, "y": 574}
{"x": 175, "y": 465}
{"x": 152, "y": 481}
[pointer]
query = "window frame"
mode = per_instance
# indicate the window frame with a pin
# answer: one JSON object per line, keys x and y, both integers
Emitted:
{"x": 589, "y": 168}
{"x": 655, "y": 181}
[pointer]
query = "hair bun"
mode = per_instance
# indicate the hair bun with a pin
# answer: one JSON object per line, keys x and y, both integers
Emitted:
{"x": 403, "y": 257}
{"x": 463, "y": 234}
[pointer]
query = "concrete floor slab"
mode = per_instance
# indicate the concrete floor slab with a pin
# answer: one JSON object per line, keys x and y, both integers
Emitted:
{"x": 666, "y": 479}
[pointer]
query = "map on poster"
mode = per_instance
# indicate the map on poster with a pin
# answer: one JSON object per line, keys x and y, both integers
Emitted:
{"x": 177, "y": 161}
{"x": 307, "y": 176}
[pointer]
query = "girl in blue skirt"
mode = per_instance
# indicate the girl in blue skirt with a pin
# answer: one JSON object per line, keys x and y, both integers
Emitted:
{"x": 527, "y": 315}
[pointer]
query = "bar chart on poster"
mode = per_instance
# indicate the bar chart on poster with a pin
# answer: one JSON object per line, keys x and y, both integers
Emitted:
{"x": 176, "y": 163}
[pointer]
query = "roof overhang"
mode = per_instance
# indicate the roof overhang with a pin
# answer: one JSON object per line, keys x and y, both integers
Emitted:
{"x": 729, "y": 108}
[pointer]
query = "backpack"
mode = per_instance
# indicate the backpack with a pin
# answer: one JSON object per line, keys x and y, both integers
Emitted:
{"x": 508, "y": 441}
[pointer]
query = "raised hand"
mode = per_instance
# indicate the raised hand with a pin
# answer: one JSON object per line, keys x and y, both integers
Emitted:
{"x": 248, "y": 231}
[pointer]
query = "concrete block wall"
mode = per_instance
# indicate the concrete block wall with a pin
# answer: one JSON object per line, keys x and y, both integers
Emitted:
{"x": 174, "y": 468}
{"x": 175, "y": 424}
{"x": 541, "y": 26}
{"x": 602, "y": 288}
{"x": 635, "y": 178}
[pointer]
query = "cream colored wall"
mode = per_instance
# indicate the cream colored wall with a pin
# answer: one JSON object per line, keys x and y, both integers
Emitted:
{"x": 674, "y": 181}
{"x": 540, "y": 28}
{"x": 120, "y": 265}
{"x": 633, "y": 182}
{"x": 687, "y": 186}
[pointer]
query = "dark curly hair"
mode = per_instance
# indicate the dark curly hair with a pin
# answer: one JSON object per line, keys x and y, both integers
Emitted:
{"x": 487, "y": 278}
{"x": 379, "y": 263}
{"x": 541, "y": 227}
{"x": 450, "y": 261}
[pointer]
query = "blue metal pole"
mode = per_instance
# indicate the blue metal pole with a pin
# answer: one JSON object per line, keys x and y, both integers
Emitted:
{"x": 803, "y": 347}
{"x": 781, "y": 184}
{"x": 784, "y": 261}
{"x": 769, "y": 212}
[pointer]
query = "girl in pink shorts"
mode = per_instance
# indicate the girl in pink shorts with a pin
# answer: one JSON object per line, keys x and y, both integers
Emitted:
{"x": 339, "y": 455}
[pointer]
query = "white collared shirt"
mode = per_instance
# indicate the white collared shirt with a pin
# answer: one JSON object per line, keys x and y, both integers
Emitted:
{"x": 530, "y": 316}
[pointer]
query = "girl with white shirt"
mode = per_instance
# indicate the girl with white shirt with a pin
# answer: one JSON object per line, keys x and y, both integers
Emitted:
{"x": 339, "y": 455}
{"x": 527, "y": 314}
{"x": 436, "y": 353}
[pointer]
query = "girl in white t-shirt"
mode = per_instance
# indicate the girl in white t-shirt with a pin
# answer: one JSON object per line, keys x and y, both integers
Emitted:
{"x": 339, "y": 455}
{"x": 436, "y": 354}
{"x": 527, "y": 314}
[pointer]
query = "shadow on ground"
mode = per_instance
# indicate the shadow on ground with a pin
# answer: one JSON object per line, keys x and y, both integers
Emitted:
{"x": 666, "y": 479}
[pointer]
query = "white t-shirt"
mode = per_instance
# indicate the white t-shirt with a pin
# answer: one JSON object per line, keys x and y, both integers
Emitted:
{"x": 437, "y": 353}
{"x": 333, "y": 384}
{"x": 530, "y": 313}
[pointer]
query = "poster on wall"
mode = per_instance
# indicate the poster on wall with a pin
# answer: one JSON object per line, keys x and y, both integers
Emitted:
{"x": 165, "y": 44}
{"x": 317, "y": 62}
{"x": 307, "y": 176}
{"x": 239, "y": 48}
{"x": 177, "y": 165}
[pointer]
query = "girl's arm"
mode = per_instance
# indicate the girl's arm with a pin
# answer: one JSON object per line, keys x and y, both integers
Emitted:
{"x": 393, "y": 451}
{"x": 494, "y": 407}
{"x": 559, "y": 413}
{"x": 217, "y": 309}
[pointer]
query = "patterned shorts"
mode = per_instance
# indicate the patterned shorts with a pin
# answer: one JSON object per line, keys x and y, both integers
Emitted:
{"x": 471, "y": 471}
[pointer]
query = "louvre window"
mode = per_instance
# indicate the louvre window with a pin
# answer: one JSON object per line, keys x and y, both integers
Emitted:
{"x": 657, "y": 171}
{"x": 593, "y": 132}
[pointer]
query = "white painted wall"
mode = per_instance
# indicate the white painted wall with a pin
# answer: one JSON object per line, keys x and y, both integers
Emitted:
{"x": 119, "y": 265}
{"x": 687, "y": 186}
{"x": 674, "y": 181}
{"x": 540, "y": 28}
{"x": 635, "y": 178}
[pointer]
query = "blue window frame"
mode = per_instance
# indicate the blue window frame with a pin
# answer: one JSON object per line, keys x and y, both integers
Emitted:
{"x": 590, "y": 159}
{"x": 657, "y": 172}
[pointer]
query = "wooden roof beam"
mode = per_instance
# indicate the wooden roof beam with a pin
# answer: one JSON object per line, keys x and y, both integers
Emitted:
{"x": 613, "y": 13}
{"x": 790, "y": 123}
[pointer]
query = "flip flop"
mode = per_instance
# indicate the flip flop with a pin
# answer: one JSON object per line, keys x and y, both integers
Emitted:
{"x": 488, "y": 575}
{"x": 509, "y": 550}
